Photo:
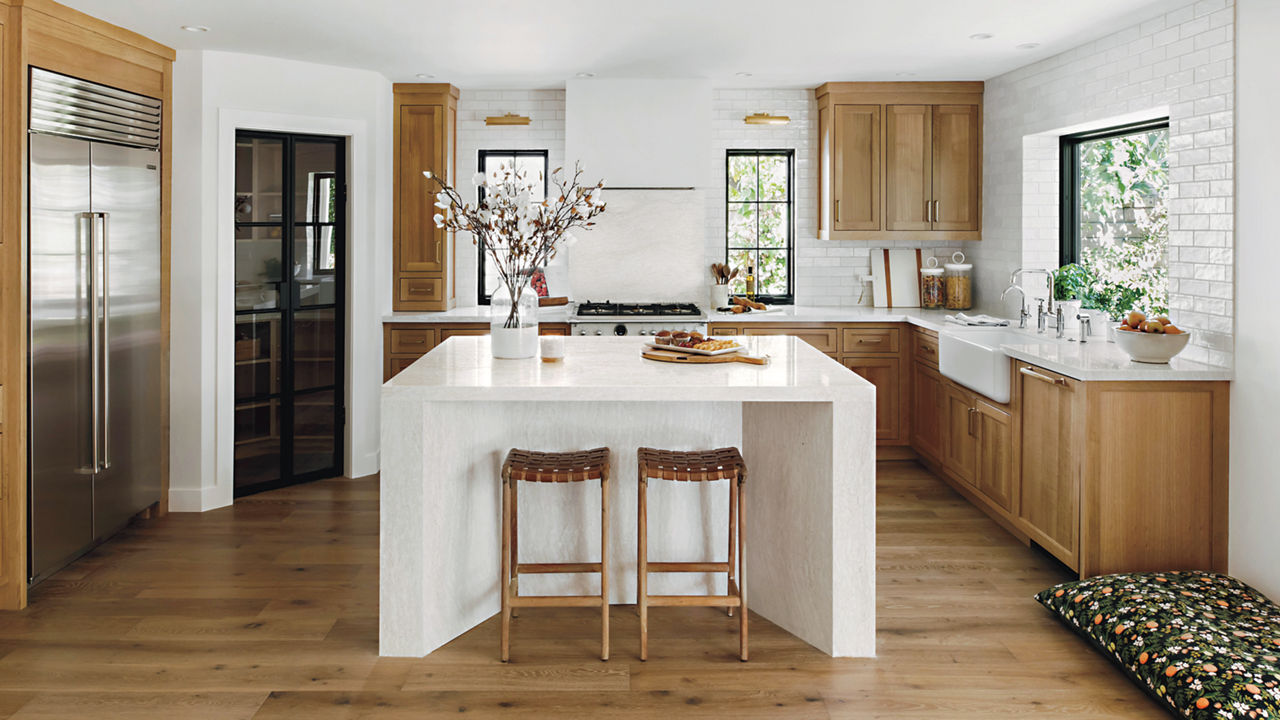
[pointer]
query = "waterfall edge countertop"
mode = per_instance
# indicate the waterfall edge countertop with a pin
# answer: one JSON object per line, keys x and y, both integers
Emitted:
{"x": 805, "y": 425}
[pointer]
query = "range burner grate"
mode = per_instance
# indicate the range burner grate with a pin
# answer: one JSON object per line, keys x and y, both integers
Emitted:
{"x": 612, "y": 309}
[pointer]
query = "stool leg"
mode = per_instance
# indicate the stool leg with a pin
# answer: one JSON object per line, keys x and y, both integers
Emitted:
{"x": 642, "y": 581}
{"x": 742, "y": 568}
{"x": 733, "y": 529}
{"x": 506, "y": 571}
{"x": 604, "y": 566}
{"x": 515, "y": 545}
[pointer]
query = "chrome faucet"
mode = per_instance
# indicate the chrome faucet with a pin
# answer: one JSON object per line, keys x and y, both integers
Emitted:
{"x": 1041, "y": 315}
{"x": 1060, "y": 324}
{"x": 1022, "y": 311}
{"x": 1049, "y": 275}
{"x": 1086, "y": 328}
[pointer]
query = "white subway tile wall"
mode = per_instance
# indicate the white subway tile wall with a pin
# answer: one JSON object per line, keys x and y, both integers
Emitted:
{"x": 545, "y": 131}
{"x": 1179, "y": 64}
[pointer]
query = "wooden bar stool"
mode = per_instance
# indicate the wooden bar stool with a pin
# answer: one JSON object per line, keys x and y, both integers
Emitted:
{"x": 532, "y": 466}
{"x": 697, "y": 466}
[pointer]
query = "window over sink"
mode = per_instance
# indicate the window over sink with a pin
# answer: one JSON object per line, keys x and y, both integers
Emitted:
{"x": 531, "y": 162}
{"x": 760, "y": 220}
{"x": 1115, "y": 218}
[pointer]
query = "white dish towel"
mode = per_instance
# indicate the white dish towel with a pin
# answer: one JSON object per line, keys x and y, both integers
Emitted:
{"x": 976, "y": 320}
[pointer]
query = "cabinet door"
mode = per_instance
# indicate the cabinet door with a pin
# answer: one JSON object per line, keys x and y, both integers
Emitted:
{"x": 908, "y": 165}
{"x": 420, "y": 245}
{"x": 995, "y": 455}
{"x": 960, "y": 434}
{"x": 926, "y": 411}
{"x": 886, "y": 375}
{"x": 1049, "y": 491}
{"x": 855, "y": 166}
{"x": 957, "y": 153}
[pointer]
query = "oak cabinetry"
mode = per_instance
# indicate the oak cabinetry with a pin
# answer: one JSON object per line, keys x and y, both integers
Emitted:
{"x": 960, "y": 434}
{"x": 885, "y": 373}
{"x": 927, "y": 404}
{"x": 900, "y": 160}
{"x": 994, "y": 476}
{"x": 824, "y": 337}
{"x": 425, "y": 139}
{"x": 1049, "y": 507}
{"x": 404, "y": 343}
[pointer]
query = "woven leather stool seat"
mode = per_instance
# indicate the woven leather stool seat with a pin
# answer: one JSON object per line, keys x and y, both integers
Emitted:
{"x": 692, "y": 466}
{"x": 534, "y": 466}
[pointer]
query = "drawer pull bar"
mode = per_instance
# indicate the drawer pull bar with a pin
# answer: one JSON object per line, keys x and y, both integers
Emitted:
{"x": 873, "y": 342}
{"x": 1043, "y": 378}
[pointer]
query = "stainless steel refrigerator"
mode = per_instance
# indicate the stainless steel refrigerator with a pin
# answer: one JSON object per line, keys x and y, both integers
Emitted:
{"x": 93, "y": 239}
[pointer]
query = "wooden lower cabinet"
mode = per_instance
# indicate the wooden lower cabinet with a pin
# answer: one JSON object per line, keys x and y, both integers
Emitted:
{"x": 886, "y": 374}
{"x": 1049, "y": 476}
{"x": 404, "y": 343}
{"x": 927, "y": 404}
{"x": 960, "y": 437}
{"x": 996, "y": 450}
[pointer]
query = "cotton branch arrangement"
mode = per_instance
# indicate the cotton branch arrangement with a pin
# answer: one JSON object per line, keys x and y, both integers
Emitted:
{"x": 518, "y": 233}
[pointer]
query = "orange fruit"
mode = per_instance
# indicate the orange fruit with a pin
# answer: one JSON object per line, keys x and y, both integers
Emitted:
{"x": 1171, "y": 671}
{"x": 1153, "y": 327}
{"x": 1142, "y": 659}
{"x": 1202, "y": 703}
{"x": 1166, "y": 321}
{"x": 1097, "y": 620}
{"x": 1059, "y": 593}
{"x": 1153, "y": 624}
{"x": 1135, "y": 319}
{"x": 1172, "y": 330}
{"x": 1252, "y": 689}
{"x": 1211, "y": 668}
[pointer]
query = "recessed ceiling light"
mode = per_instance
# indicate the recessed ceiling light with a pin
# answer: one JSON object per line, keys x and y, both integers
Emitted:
{"x": 585, "y": 75}
{"x": 425, "y": 76}
{"x": 743, "y": 74}
{"x": 981, "y": 36}
{"x": 195, "y": 28}
{"x": 1028, "y": 46}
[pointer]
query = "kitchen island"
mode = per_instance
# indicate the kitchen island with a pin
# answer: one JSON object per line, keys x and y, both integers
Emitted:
{"x": 804, "y": 425}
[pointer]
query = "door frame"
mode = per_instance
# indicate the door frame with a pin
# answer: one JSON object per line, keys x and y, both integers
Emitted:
{"x": 361, "y": 300}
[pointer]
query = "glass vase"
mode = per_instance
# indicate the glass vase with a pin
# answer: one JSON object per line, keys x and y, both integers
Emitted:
{"x": 513, "y": 322}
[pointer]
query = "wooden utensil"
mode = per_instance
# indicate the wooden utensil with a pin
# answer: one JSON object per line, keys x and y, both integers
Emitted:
{"x": 674, "y": 357}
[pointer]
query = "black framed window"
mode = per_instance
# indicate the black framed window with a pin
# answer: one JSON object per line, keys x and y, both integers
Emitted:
{"x": 1112, "y": 181}
{"x": 531, "y": 162}
{"x": 760, "y": 220}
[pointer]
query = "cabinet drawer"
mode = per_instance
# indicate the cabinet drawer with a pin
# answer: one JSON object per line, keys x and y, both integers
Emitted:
{"x": 870, "y": 340}
{"x": 553, "y": 328}
{"x": 925, "y": 348}
{"x": 396, "y": 364}
{"x": 825, "y": 339}
{"x": 421, "y": 289}
{"x": 448, "y": 332}
{"x": 416, "y": 340}
{"x": 720, "y": 330}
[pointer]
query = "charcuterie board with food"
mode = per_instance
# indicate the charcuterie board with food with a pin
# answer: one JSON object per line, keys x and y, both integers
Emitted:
{"x": 671, "y": 356}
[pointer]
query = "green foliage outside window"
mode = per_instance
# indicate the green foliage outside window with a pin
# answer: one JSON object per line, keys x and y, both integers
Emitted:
{"x": 1123, "y": 187}
{"x": 758, "y": 232}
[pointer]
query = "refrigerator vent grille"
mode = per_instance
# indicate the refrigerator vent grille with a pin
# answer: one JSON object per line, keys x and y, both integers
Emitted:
{"x": 63, "y": 105}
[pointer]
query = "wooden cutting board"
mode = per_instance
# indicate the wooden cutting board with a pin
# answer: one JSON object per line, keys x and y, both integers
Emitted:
{"x": 688, "y": 359}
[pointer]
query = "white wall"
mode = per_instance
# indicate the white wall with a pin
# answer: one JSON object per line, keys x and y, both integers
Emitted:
{"x": 215, "y": 94}
{"x": 1178, "y": 64}
{"x": 1255, "y": 394}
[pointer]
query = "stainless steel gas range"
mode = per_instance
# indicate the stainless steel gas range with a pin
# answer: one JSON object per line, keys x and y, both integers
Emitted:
{"x": 610, "y": 318}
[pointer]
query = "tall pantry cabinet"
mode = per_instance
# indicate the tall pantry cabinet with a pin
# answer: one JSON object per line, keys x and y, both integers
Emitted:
{"x": 426, "y": 138}
{"x": 44, "y": 34}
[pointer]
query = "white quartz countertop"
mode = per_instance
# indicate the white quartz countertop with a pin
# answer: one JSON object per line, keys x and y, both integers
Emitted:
{"x": 609, "y": 368}
{"x": 930, "y": 319}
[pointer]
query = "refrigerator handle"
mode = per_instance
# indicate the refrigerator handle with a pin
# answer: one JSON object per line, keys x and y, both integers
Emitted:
{"x": 105, "y": 365}
{"x": 95, "y": 337}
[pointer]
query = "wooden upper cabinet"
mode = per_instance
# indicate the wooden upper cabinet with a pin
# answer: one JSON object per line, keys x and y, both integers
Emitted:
{"x": 421, "y": 243}
{"x": 908, "y": 151}
{"x": 425, "y": 140}
{"x": 856, "y": 167}
{"x": 900, "y": 161}
{"x": 957, "y": 167}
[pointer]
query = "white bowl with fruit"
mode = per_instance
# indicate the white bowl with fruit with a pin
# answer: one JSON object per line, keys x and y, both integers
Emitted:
{"x": 1150, "y": 340}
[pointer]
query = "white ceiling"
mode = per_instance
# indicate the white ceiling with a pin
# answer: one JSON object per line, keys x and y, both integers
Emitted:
{"x": 541, "y": 43}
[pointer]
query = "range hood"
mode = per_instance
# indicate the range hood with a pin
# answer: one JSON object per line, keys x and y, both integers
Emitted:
{"x": 639, "y": 133}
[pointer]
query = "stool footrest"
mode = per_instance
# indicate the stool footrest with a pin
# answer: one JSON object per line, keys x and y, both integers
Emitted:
{"x": 556, "y": 601}
{"x": 672, "y": 567}
{"x": 545, "y": 568}
{"x": 693, "y": 601}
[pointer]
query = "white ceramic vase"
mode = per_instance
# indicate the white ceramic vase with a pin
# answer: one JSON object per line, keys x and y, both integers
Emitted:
{"x": 719, "y": 296}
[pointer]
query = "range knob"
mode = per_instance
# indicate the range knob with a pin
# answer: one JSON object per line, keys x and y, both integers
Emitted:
{"x": 619, "y": 329}
{"x": 582, "y": 332}
{"x": 599, "y": 333}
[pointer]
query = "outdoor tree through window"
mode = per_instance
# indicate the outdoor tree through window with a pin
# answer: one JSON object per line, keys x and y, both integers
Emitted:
{"x": 760, "y": 220}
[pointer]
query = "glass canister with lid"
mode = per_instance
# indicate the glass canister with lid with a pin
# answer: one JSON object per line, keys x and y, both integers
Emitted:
{"x": 959, "y": 283}
{"x": 932, "y": 293}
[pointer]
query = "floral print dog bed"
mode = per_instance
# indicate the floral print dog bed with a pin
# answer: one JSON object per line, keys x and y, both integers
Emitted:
{"x": 1203, "y": 645}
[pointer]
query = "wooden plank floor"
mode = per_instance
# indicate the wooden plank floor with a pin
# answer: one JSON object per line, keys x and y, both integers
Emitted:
{"x": 269, "y": 609}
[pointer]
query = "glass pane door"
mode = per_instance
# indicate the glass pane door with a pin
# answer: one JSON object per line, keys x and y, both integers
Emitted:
{"x": 290, "y": 240}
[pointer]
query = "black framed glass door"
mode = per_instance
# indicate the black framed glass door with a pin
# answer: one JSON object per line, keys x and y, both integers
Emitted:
{"x": 290, "y": 238}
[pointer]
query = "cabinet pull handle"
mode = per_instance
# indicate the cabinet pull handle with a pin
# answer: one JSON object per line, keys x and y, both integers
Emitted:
{"x": 973, "y": 414}
{"x": 870, "y": 341}
{"x": 1043, "y": 378}
{"x": 837, "y": 211}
